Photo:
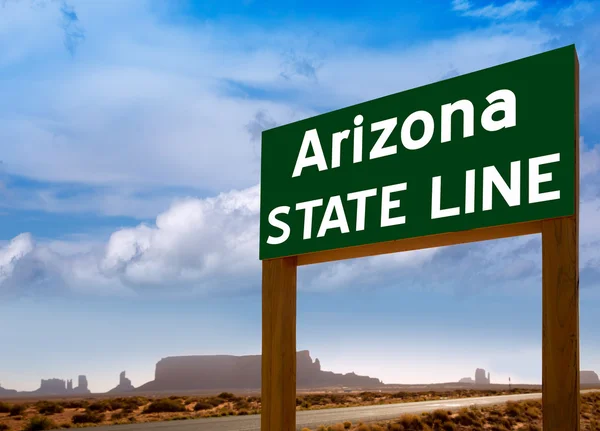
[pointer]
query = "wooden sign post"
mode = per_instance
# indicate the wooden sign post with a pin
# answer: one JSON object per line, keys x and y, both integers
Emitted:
{"x": 560, "y": 309}
{"x": 351, "y": 184}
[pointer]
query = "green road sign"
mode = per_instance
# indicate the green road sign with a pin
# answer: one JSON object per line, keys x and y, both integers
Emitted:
{"x": 484, "y": 149}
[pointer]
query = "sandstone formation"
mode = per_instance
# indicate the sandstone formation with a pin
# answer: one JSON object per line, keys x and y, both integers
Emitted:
{"x": 52, "y": 387}
{"x": 480, "y": 378}
{"x": 82, "y": 387}
{"x": 123, "y": 386}
{"x": 62, "y": 387}
{"x": 7, "y": 391}
{"x": 589, "y": 378}
{"x": 241, "y": 372}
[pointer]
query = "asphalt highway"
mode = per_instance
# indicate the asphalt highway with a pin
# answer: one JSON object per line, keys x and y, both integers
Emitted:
{"x": 314, "y": 418}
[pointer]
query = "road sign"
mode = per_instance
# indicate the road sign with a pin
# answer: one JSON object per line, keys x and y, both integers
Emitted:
{"x": 488, "y": 155}
{"x": 488, "y": 148}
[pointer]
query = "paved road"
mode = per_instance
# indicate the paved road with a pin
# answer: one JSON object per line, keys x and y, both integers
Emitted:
{"x": 314, "y": 418}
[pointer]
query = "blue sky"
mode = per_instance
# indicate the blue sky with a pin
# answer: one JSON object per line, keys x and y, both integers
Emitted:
{"x": 129, "y": 186}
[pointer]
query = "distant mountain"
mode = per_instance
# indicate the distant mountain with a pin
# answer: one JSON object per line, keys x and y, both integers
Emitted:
{"x": 123, "y": 386}
{"x": 228, "y": 372}
{"x": 178, "y": 373}
{"x": 589, "y": 378}
{"x": 4, "y": 392}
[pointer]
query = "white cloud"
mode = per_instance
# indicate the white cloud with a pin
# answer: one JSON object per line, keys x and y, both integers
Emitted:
{"x": 212, "y": 243}
{"x": 133, "y": 114}
{"x": 195, "y": 240}
{"x": 461, "y": 5}
{"x": 11, "y": 253}
{"x": 575, "y": 12}
{"x": 491, "y": 11}
{"x": 129, "y": 112}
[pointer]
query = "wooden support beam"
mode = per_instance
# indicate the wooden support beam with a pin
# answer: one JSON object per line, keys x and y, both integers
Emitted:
{"x": 419, "y": 243}
{"x": 560, "y": 325}
{"x": 560, "y": 310}
{"x": 278, "y": 390}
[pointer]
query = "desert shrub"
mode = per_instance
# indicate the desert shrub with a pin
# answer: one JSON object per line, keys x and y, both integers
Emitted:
{"x": 374, "y": 427}
{"x": 138, "y": 401}
{"x": 441, "y": 415}
{"x": 165, "y": 405}
{"x": 49, "y": 407}
{"x": 305, "y": 429}
{"x": 362, "y": 427}
{"x": 200, "y": 405}
{"x": 368, "y": 396}
{"x": 88, "y": 417}
{"x": 4, "y": 427}
{"x": 75, "y": 404}
{"x": 533, "y": 412}
{"x": 468, "y": 417}
{"x": 116, "y": 404}
{"x": 4, "y": 407}
{"x": 514, "y": 409}
{"x": 253, "y": 399}
{"x": 347, "y": 425}
{"x": 242, "y": 412}
{"x": 17, "y": 409}
{"x": 227, "y": 396}
{"x": 338, "y": 398}
{"x": 117, "y": 415}
{"x": 40, "y": 423}
{"x": 65, "y": 425}
{"x": 411, "y": 422}
{"x": 127, "y": 404}
{"x": 215, "y": 401}
{"x": 99, "y": 406}
{"x": 241, "y": 404}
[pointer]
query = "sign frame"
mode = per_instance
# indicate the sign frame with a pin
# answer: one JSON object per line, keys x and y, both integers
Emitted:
{"x": 560, "y": 308}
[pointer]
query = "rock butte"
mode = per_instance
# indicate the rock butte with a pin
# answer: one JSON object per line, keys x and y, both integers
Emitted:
{"x": 241, "y": 372}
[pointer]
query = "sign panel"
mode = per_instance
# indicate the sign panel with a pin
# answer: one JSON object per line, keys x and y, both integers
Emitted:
{"x": 488, "y": 148}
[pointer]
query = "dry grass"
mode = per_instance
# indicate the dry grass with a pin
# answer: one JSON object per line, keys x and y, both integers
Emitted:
{"x": 524, "y": 416}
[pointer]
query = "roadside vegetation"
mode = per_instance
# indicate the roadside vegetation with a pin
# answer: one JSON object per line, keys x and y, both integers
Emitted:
{"x": 62, "y": 414}
{"x": 522, "y": 415}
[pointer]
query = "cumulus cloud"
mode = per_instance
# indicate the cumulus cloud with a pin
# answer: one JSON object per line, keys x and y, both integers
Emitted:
{"x": 11, "y": 253}
{"x": 128, "y": 116}
{"x": 211, "y": 244}
{"x": 197, "y": 244}
{"x": 208, "y": 240}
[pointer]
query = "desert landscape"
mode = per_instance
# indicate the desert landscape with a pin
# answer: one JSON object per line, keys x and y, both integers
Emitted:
{"x": 30, "y": 415}
{"x": 212, "y": 386}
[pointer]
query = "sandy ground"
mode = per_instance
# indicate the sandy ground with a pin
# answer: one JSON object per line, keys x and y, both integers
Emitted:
{"x": 113, "y": 410}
